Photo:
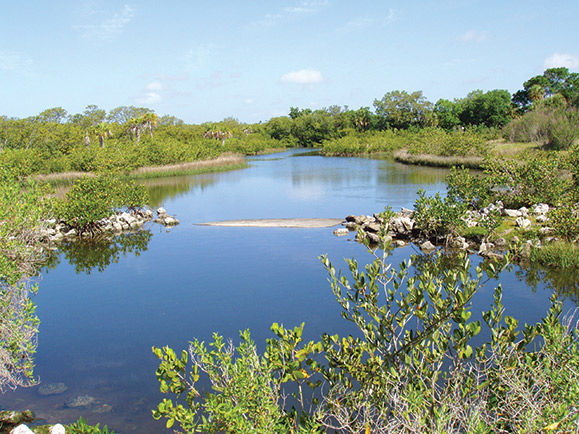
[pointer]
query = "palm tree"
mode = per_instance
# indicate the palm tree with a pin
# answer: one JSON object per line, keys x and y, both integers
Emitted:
{"x": 149, "y": 121}
{"x": 103, "y": 131}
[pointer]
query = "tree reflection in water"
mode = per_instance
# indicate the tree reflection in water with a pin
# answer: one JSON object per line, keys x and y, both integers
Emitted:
{"x": 88, "y": 255}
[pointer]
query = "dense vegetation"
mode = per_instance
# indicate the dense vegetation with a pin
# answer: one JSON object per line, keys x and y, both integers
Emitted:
{"x": 412, "y": 366}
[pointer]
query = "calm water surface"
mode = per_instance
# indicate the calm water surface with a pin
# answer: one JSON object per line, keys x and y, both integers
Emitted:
{"x": 103, "y": 308}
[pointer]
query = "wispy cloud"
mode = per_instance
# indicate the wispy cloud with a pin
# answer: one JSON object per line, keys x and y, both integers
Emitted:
{"x": 557, "y": 60}
{"x": 159, "y": 89}
{"x": 365, "y": 22}
{"x": 302, "y": 7}
{"x": 303, "y": 77}
{"x": 306, "y": 7}
{"x": 198, "y": 57}
{"x": 13, "y": 61}
{"x": 111, "y": 27}
{"x": 474, "y": 36}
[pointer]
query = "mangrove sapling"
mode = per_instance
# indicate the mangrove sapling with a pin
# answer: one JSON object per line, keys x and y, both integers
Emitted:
{"x": 92, "y": 199}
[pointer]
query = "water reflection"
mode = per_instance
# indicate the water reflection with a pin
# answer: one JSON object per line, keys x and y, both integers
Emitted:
{"x": 564, "y": 284}
{"x": 97, "y": 254}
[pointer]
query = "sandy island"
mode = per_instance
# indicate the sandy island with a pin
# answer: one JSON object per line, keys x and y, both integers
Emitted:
{"x": 278, "y": 223}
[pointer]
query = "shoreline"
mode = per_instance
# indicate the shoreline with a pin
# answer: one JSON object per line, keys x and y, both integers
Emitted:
{"x": 222, "y": 163}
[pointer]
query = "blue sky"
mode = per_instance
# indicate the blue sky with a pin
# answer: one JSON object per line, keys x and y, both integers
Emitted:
{"x": 253, "y": 60}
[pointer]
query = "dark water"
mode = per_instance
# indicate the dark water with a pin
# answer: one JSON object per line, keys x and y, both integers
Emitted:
{"x": 103, "y": 308}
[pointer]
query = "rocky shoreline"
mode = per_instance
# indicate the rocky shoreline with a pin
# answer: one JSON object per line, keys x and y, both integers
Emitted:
{"x": 401, "y": 230}
{"x": 53, "y": 232}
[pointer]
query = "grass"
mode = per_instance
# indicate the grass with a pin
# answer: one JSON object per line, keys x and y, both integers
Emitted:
{"x": 221, "y": 164}
{"x": 502, "y": 148}
{"x": 472, "y": 162}
{"x": 558, "y": 254}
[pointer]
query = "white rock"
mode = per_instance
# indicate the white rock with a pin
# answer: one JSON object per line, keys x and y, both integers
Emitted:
{"x": 512, "y": 213}
{"x": 523, "y": 222}
{"x": 524, "y": 211}
{"x": 541, "y": 209}
{"x": 427, "y": 246}
{"x": 541, "y": 218}
{"x": 57, "y": 429}
{"x": 21, "y": 429}
{"x": 340, "y": 232}
{"x": 161, "y": 211}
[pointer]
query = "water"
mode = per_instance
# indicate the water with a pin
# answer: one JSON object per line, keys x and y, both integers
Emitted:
{"x": 103, "y": 308}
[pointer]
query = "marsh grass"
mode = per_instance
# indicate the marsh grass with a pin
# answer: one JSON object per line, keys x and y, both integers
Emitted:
{"x": 559, "y": 254}
{"x": 471, "y": 162}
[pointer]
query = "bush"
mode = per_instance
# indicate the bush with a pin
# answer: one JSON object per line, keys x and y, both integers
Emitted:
{"x": 437, "y": 217}
{"x": 93, "y": 198}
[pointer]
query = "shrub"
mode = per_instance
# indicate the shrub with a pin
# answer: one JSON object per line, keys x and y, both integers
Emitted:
{"x": 93, "y": 198}
{"x": 438, "y": 217}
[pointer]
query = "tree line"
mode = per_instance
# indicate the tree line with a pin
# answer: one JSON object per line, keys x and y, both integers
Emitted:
{"x": 545, "y": 110}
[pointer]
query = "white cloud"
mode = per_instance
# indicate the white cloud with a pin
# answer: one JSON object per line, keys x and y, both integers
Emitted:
{"x": 110, "y": 27}
{"x": 155, "y": 86}
{"x": 303, "y": 76}
{"x": 570, "y": 61}
{"x": 474, "y": 36}
{"x": 150, "y": 98}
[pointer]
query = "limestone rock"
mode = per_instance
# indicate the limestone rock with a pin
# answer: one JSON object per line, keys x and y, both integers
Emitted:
{"x": 340, "y": 232}
{"x": 427, "y": 247}
{"x": 161, "y": 211}
{"x": 372, "y": 227}
{"x": 512, "y": 213}
{"x": 21, "y": 429}
{"x": 540, "y": 209}
{"x": 523, "y": 222}
{"x": 542, "y": 218}
{"x": 57, "y": 429}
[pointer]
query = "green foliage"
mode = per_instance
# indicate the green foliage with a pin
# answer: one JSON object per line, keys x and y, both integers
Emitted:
{"x": 554, "y": 81}
{"x": 473, "y": 190}
{"x": 401, "y": 110}
{"x": 438, "y": 217}
{"x": 93, "y": 198}
{"x": 244, "y": 396}
{"x": 82, "y": 427}
{"x": 457, "y": 143}
{"x": 22, "y": 210}
{"x": 555, "y": 127}
{"x": 492, "y": 108}
{"x": 365, "y": 143}
{"x": 536, "y": 179}
{"x": 564, "y": 219}
{"x": 557, "y": 255}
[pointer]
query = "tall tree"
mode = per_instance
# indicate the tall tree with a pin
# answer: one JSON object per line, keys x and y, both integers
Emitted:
{"x": 400, "y": 109}
{"x": 492, "y": 109}
{"x": 55, "y": 114}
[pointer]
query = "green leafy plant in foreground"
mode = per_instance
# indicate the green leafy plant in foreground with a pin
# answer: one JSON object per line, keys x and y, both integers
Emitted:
{"x": 82, "y": 427}
{"x": 409, "y": 367}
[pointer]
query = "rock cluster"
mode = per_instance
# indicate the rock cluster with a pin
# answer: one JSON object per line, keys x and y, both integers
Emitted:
{"x": 14, "y": 422}
{"x": 53, "y": 231}
{"x": 401, "y": 229}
